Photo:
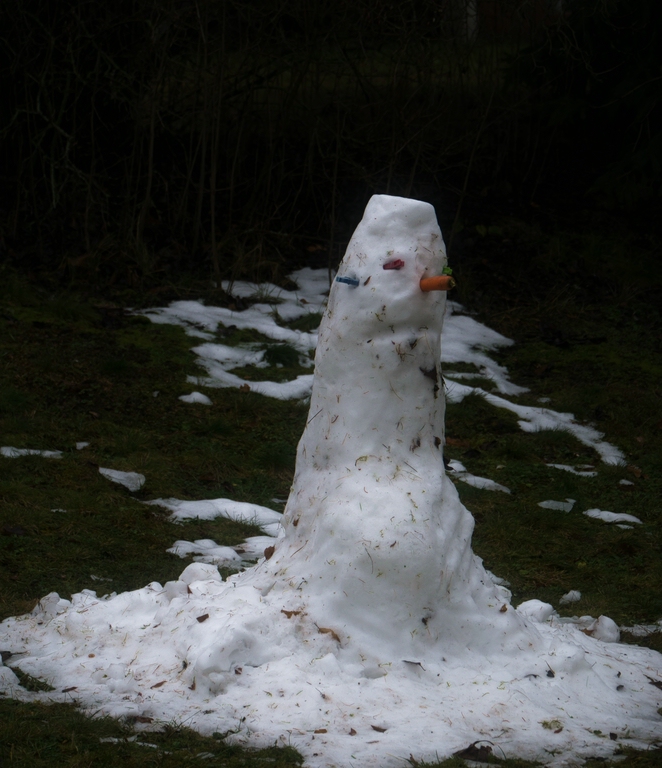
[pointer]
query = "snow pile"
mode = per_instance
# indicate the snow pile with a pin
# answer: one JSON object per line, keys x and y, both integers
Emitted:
{"x": 240, "y": 511}
{"x": 195, "y": 397}
{"x": 583, "y": 470}
{"x": 219, "y": 360}
{"x": 277, "y": 306}
{"x": 207, "y": 551}
{"x": 533, "y": 419}
{"x": 277, "y": 303}
{"x": 369, "y": 632}
{"x": 611, "y": 517}
{"x": 134, "y": 481}
{"x": 466, "y": 341}
{"x": 561, "y": 506}
{"x": 14, "y": 453}
{"x": 460, "y": 472}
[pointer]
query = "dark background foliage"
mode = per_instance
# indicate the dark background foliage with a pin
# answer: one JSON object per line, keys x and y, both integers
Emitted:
{"x": 144, "y": 138}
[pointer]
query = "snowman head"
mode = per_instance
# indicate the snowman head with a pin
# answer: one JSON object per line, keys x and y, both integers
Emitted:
{"x": 378, "y": 285}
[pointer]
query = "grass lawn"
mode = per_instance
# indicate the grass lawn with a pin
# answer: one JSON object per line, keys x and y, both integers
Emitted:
{"x": 80, "y": 368}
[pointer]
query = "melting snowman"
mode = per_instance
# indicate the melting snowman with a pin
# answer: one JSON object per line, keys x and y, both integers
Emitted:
{"x": 377, "y": 545}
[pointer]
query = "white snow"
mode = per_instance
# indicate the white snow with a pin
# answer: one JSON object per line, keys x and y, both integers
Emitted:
{"x": 561, "y": 506}
{"x": 131, "y": 480}
{"x": 14, "y": 453}
{"x": 276, "y": 304}
{"x": 297, "y": 389}
{"x": 209, "y": 509}
{"x": 207, "y": 551}
{"x": 464, "y": 341}
{"x": 369, "y": 633}
{"x": 537, "y": 419}
{"x": 81, "y": 445}
{"x": 219, "y": 360}
{"x": 611, "y": 517}
{"x": 643, "y": 630}
{"x": 605, "y": 629}
{"x": 460, "y": 472}
{"x": 536, "y": 610}
{"x": 574, "y": 596}
{"x": 575, "y": 470}
{"x": 195, "y": 397}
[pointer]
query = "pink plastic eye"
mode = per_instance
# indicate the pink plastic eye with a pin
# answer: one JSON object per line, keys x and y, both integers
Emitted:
{"x": 394, "y": 264}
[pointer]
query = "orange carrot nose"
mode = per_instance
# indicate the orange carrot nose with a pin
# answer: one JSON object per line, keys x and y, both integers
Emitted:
{"x": 440, "y": 283}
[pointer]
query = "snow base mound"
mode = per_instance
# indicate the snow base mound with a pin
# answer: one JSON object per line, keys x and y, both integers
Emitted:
{"x": 220, "y": 656}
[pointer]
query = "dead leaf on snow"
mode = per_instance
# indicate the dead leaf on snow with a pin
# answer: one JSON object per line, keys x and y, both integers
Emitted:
{"x": 328, "y": 631}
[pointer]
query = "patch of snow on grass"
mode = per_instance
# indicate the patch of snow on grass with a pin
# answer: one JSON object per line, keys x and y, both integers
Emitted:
{"x": 134, "y": 481}
{"x": 464, "y": 340}
{"x": 611, "y": 517}
{"x": 575, "y": 470}
{"x": 14, "y": 453}
{"x": 538, "y": 419}
{"x": 461, "y": 473}
{"x": 561, "y": 506}
{"x": 196, "y": 397}
{"x": 208, "y": 509}
{"x": 207, "y": 551}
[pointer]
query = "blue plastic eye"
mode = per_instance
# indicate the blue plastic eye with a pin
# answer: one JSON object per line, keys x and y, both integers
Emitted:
{"x": 348, "y": 280}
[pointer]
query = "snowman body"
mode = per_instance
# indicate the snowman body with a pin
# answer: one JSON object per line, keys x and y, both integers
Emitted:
{"x": 377, "y": 545}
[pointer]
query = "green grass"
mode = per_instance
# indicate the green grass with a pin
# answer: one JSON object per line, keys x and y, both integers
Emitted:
{"x": 545, "y": 553}
{"x": 584, "y": 309}
{"x": 60, "y": 735}
{"x": 63, "y": 383}
{"x": 76, "y": 369}
{"x": 626, "y": 759}
{"x": 71, "y": 372}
